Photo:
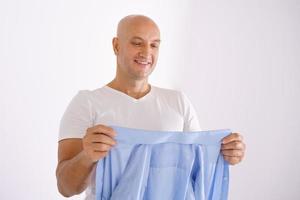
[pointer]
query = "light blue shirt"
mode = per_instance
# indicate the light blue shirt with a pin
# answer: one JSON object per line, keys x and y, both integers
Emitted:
{"x": 161, "y": 165}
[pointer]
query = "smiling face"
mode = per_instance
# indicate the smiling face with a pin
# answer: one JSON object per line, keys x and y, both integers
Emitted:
{"x": 136, "y": 47}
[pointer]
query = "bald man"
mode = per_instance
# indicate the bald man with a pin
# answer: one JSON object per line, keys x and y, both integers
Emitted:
{"x": 128, "y": 100}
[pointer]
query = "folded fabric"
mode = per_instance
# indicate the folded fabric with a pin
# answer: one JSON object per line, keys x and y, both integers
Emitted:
{"x": 163, "y": 165}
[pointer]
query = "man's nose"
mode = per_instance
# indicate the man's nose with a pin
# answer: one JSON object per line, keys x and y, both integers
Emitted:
{"x": 146, "y": 51}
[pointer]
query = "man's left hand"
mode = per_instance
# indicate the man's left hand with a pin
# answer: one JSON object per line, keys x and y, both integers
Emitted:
{"x": 233, "y": 148}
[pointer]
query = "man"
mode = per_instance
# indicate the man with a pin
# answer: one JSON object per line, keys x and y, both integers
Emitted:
{"x": 128, "y": 101}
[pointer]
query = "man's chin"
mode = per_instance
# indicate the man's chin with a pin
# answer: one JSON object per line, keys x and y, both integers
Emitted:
{"x": 142, "y": 76}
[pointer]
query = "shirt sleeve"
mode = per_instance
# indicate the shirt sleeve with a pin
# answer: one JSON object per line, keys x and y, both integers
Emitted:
{"x": 77, "y": 117}
{"x": 191, "y": 122}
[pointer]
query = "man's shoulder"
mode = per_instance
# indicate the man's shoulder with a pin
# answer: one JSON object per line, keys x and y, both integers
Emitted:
{"x": 94, "y": 92}
{"x": 166, "y": 90}
{"x": 84, "y": 95}
{"x": 167, "y": 93}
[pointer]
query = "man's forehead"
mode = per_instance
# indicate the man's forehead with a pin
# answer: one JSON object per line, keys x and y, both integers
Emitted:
{"x": 140, "y": 38}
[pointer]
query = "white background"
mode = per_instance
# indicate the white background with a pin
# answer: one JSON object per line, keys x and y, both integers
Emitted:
{"x": 238, "y": 61}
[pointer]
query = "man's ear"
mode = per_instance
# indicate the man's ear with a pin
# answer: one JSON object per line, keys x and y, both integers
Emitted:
{"x": 115, "y": 43}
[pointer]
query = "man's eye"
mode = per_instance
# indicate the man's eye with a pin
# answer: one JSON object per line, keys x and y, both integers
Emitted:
{"x": 155, "y": 45}
{"x": 136, "y": 43}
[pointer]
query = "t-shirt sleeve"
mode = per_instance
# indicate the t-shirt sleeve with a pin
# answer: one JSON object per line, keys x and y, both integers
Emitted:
{"x": 191, "y": 122}
{"x": 77, "y": 117}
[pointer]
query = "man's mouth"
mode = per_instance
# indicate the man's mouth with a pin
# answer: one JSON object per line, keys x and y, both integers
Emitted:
{"x": 143, "y": 62}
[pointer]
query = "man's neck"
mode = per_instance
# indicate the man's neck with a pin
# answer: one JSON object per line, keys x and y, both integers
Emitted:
{"x": 135, "y": 89}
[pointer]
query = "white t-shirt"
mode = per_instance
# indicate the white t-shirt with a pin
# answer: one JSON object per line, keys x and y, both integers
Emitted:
{"x": 160, "y": 109}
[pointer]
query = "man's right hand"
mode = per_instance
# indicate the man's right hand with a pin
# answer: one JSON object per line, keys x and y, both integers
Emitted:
{"x": 98, "y": 141}
{"x": 77, "y": 157}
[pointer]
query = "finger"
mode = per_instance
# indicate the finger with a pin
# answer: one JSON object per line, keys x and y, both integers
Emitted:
{"x": 100, "y": 147}
{"x": 232, "y": 137}
{"x": 232, "y": 160}
{"x": 233, "y": 153}
{"x": 233, "y": 145}
{"x": 102, "y": 129}
{"x": 101, "y": 138}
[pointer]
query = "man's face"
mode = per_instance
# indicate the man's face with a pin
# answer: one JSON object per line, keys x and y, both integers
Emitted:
{"x": 138, "y": 50}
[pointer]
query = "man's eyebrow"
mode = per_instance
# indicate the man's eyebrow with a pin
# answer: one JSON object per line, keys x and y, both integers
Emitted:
{"x": 139, "y": 38}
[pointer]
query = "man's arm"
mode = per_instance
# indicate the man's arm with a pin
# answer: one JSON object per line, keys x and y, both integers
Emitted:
{"x": 77, "y": 157}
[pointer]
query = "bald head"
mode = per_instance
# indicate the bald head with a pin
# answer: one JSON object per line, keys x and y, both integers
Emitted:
{"x": 132, "y": 22}
{"x": 136, "y": 47}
